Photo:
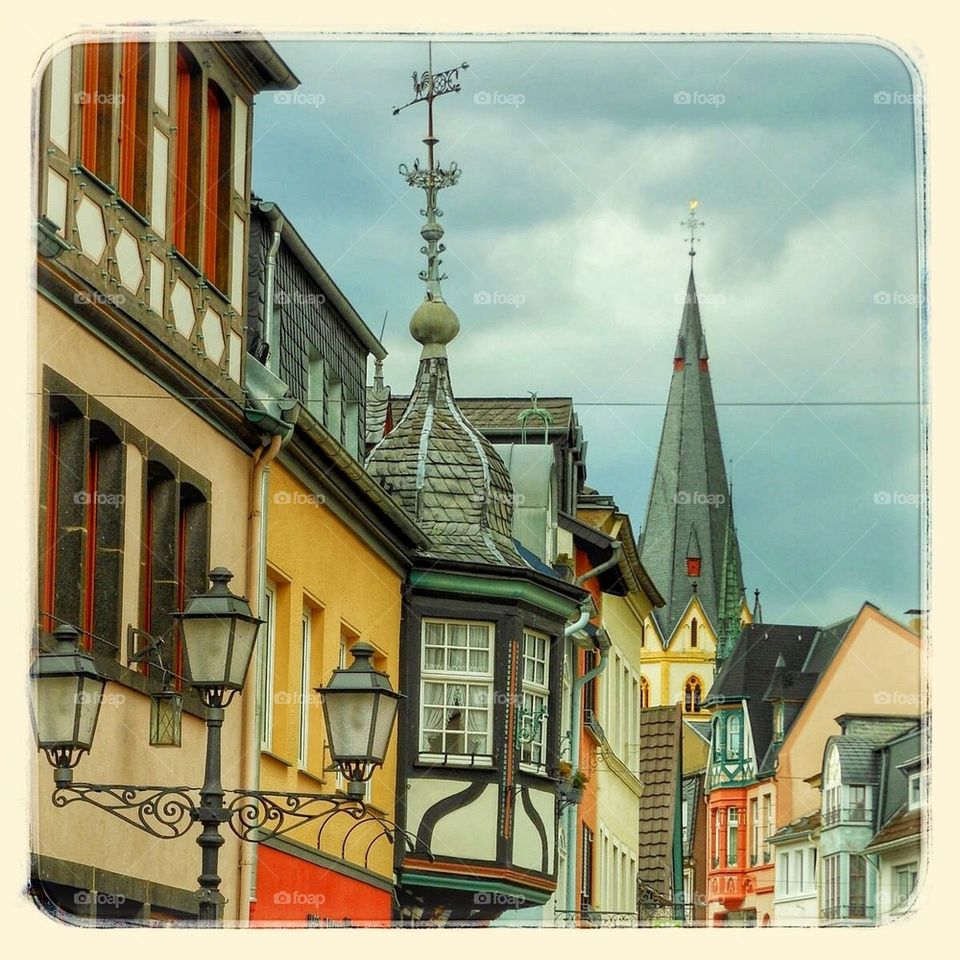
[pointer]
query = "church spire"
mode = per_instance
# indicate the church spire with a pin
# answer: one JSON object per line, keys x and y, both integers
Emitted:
{"x": 690, "y": 497}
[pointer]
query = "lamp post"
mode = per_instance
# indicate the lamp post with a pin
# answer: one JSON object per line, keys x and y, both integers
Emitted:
{"x": 219, "y": 634}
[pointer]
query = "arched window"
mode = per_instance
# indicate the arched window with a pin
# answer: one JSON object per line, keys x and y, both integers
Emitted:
{"x": 644, "y": 693}
{"x": 692, "y": 695}
{"x": 734, "y": 735}
{"x": 693, "y": 633}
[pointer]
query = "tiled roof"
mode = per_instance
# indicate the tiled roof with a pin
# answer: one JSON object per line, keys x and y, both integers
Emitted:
{"x": 798, "y": 828}
{"x": 903, "y": 825}
{"x": 660, "y": 766}
{"x": 447, "y": 475}
{"x": 378, "y": 402}
{"x": 500, "y": 414}
{"x": 689, "y": 497}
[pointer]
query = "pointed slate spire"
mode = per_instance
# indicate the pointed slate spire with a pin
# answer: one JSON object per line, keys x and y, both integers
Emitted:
{"x": 690, "y": 496}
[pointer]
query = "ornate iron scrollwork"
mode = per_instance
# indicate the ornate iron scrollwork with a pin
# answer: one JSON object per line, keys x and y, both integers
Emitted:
{"x": 257, "y": 815}
{"x": 164, "y": 812}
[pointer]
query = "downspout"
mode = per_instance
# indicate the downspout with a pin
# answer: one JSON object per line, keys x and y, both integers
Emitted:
{"x": 256, "y": 576}
{"x": 269, "y": 334}
{"x": 576, "y": 695}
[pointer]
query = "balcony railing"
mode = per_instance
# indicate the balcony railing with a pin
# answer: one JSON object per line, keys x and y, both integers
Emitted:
{"x": 594, "y": 918}
{"x": 856, "y": 814}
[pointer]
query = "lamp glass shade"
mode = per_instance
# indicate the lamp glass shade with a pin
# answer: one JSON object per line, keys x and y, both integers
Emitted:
{"x": 386, "y": 714}
{"x": 244, "y": 640}
{"x": 65, "y": 710}
{"x": 349, "y": 715}
{"x": 206, "y": 641}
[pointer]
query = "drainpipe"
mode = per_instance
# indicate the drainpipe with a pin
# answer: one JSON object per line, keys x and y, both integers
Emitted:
{"x": 269, "y": 294}
{"x": 256, "y": 575}
{"x": 576, "y": 696}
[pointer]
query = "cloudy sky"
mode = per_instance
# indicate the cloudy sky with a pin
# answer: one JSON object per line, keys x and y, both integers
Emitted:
{"x": 567, "y": 264}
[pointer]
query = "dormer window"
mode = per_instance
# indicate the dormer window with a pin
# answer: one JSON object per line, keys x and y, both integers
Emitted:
{"x": 734, "y": 736}
{"x": 693, "y": 623}
{"x": 914, "y": 791}
{"x": 778, "y": 721}
{"x": 693, "y": 566}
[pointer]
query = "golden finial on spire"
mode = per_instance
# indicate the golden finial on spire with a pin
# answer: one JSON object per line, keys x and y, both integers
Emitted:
{"x": 692, "y": 223}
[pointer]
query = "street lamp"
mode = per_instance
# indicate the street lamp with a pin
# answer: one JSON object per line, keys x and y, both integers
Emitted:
{"x": 359, "y": 711}
{"x": 219, "y": 632}
{"x": 66, "y": 692}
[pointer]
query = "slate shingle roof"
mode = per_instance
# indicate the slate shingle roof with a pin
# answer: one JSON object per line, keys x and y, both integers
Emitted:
{"x": 903, "y": 825}
{"x": 748, "y": 673}
{"x": 798, "y": 828}
{"x": 447, "y": 475}
{"x": 690, "y": 497}
{"x": 493, "y": 415}
{"x": 660, "y": 772}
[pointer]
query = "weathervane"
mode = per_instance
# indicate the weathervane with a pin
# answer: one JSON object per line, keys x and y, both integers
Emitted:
{"x": 427, "y": 86}
{"x": 692, "y": 222}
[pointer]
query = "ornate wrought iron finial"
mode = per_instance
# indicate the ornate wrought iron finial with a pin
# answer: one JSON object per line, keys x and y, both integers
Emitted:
{"x": 692, "y": 223}
{"x": 427, "y": 86}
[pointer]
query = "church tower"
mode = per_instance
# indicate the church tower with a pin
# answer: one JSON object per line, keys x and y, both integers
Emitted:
{"x": 689, "y": 541}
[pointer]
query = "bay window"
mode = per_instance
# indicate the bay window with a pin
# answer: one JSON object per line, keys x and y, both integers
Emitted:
{"x": 456, "y": 694}
{"x": 535, "y": 700}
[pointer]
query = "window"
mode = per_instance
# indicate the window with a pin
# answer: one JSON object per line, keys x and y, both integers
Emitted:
{"x": 778, "y": 721}
{"x": 643, "y": 634}
{"x": 904, "y": 883}
{"x": 334, "y": 421}
{"x": 797, "y": 871}
{"x": 767, "y": 825}
{"x": 913, "y": 791}
{"x": 717, "y": 833}
{"x": 305, "y": 689}
{"x": 734, "y": 736}
{"x": 351, "y": 424}
{"x": 316, "y": 384}
{"x": 216, "y": 194}
{"x": 858, "y": 887}
{"x": 857, "y": 803}
{"x": 134, "y": 123}
{"x": 187, "y": 170}
{"x": 830, "y": 891}
{"x": 754, "y": 830}
{"x": 535, "y": 699}
{"x": 733, "y": 828}
{"x": 692, "y": 695}
{"x": 266, "y": 646}
{"x": 783, "y": 874}
{"x": 457, "y": 688}
{"x": 718, "y": 738}
{"x": 586, "y": 872}
{"x": 644, "y": 693}
{"x": 96, "y": 110}
{"x": 693, "y": 626}
{"x": 832, "y": 788}
{"x": 685, "y": 818}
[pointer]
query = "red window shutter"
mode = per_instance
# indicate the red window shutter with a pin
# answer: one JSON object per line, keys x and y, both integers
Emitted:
{"x": 128, "y": 118}
{"x": 90, "y": 553}
{"x": 210, "y": 220}
{"x": 181, "y": 165}
{"x": 88, "y": 105}
{"x": 693, "y": 566}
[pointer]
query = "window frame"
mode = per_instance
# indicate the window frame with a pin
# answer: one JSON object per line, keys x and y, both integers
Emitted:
{"x": 306, "y": 654}
{"x": 733, "y": 836}
{"x": 536, "y": 691}
{"x": 467, "y": 679}
{"x": 266, "y": 665}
